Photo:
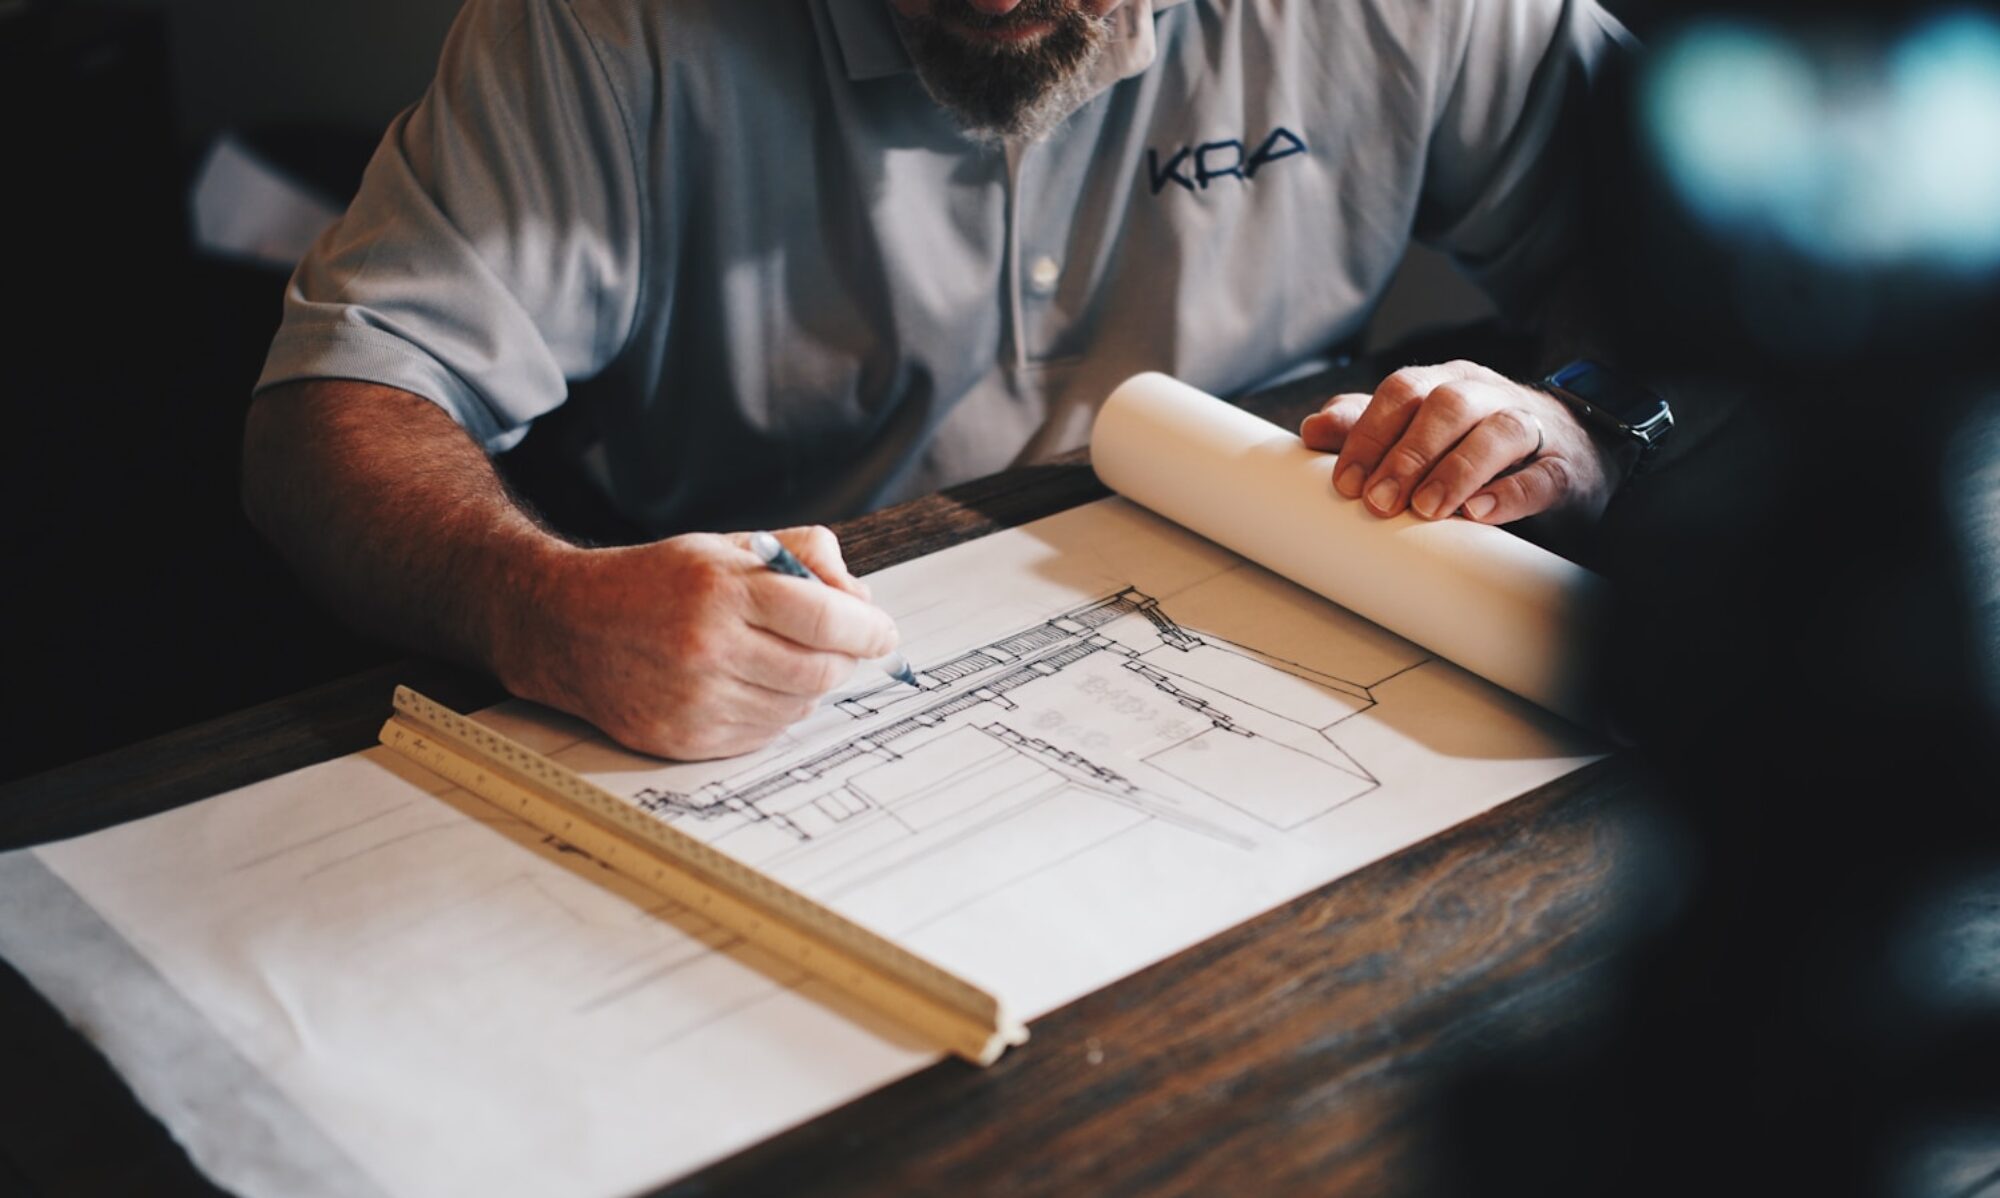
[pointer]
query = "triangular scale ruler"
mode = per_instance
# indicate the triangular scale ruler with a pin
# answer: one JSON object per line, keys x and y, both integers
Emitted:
{"x": 930, "y": 1001}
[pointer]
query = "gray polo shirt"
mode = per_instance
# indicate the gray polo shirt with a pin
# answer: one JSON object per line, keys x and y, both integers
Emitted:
{"x": 781, "y": 286}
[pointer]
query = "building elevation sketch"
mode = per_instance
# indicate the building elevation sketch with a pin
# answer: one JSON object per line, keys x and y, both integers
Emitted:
{"x": 1110, "y": 701}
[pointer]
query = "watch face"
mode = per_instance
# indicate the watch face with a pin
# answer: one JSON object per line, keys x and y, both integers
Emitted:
{"x": 1625, "y": 402}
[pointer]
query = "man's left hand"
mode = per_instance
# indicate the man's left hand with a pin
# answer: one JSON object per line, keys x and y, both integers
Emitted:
{"x": 1459, "y": 439}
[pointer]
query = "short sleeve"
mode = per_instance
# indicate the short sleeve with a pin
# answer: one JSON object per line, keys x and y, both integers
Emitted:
{"x": 492, "y": 254}
{"x": 1504, "y": 174}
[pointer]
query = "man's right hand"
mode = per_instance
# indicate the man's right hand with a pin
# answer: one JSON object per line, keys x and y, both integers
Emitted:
{"x": 687, "y": 648}
{"x": 690, "y": 647}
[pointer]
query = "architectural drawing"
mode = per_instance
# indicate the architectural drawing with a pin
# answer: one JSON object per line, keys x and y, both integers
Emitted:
{"x": 1113, "y": 700}
{"x": 1125, "y": 740}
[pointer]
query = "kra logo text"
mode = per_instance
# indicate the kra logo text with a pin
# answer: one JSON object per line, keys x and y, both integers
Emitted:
{"x": 1195, "y": 167}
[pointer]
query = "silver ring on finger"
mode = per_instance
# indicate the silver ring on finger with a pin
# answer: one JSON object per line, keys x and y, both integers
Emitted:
{"x": 1541, "y": 439}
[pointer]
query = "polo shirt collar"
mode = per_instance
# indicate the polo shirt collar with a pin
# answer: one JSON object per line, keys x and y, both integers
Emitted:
{"x": 872, "y": 49}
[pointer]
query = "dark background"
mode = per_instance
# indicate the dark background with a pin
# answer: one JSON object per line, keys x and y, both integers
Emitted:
{"x": 141, "y": 600}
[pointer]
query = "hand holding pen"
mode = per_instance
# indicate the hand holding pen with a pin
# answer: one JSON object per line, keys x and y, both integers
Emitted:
{"x": 776, "y": 557}
{"x": 694, "y": 646}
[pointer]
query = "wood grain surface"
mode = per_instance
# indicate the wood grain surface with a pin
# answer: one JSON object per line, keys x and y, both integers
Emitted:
{"x": 1298, "y": 1053}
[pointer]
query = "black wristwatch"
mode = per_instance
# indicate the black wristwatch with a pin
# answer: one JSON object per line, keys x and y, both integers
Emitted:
{"x": 1619, "y": 406}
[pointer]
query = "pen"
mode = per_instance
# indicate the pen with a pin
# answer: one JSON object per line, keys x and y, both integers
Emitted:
{"x": 776, "y": 557}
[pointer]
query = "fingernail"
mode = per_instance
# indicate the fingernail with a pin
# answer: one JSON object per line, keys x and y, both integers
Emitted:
{"x": 1348, "y": 481}
{"x": 1382, "y": 496}
{"x": 1480, "y": 506}
{"x": 1425, "y": 502}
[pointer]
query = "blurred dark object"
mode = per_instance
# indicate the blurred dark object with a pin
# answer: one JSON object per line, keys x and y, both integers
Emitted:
{"x": 142, "y": 601}
{"x": 1799, "y": 221}
{"x": 1806, "y": 191}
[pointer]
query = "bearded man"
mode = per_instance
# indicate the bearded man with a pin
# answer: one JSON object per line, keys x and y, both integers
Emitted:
{"x": 791, "y": 261}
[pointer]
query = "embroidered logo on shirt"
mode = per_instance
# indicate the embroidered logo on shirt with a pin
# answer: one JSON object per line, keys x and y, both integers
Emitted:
{"x": 1195, "y": 167}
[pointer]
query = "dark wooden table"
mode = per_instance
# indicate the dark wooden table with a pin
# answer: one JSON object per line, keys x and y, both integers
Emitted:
{"x": 1299, "y": 1052}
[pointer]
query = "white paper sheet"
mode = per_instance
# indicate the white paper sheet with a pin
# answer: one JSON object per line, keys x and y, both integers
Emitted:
{"x": 1129, "y": 740}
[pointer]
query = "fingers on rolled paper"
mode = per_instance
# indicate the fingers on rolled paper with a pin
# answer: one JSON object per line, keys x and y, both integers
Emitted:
{"x": 1387, "y": 416}
{"x": 1440, "y": 421}
{"x": 1326, "y": 430}
{"x": 1496, "y": 444}
{"x": 1375, "y": 432}
{"x": 1536, "y": 487}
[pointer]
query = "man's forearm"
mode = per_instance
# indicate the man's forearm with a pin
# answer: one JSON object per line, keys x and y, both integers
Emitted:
{"x": 687, "y": 647}
{"x": 393, "y": 516}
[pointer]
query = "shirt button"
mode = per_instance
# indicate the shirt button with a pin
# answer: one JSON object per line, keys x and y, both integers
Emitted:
{"x": 1042, "y": 275}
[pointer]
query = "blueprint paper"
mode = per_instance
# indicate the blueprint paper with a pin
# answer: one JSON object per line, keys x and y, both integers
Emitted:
{"x": 1503, "y": 608}
{"x": 1128, "y": 739}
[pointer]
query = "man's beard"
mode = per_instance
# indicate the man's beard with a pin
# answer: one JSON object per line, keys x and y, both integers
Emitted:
{"x": 997, "y": 91}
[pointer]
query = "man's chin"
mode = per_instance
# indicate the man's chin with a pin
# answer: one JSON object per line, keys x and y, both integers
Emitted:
{"x": 1029, "y": 121}
{"x": 1016, "y": 83}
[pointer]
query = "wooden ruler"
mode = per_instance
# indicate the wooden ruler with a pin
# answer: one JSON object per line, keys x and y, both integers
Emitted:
{"x": 936, "y": 1004}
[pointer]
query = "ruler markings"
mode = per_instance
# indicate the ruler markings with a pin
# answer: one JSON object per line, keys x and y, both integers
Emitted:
{"x": 909, "y": 989}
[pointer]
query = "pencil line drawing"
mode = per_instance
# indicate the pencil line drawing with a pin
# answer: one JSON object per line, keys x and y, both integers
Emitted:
{"x": 1111, "y": 707}
{"x": 1113, "y": 700}
{"x": 1013, "y": 757}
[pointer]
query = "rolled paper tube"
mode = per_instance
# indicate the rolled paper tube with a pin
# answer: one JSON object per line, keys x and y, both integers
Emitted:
{"x": 1509, "y": 611}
